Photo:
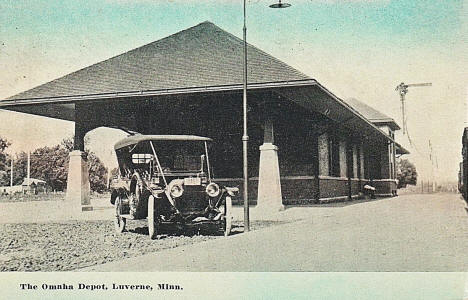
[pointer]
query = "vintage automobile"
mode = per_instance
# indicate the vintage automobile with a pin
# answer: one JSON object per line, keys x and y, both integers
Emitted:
{"x": 168, "y": 180}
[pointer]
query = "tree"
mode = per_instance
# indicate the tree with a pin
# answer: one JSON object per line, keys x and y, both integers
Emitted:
{"x": 4, "y": 163}
{"x": 51, "y": 165}
{"x": 97, "y": 170}
{"x": 4, "y": 159}
{"x": 20, "y": 167}
{"x": 97, "y": 173}
{"x": 406, "y": 173}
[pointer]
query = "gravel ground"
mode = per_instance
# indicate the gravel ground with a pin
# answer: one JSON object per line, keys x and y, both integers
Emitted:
{"x": 65, "y": 246}
{"x": 28, "y": 197}
{"x": 59, "y": 196}
{"x": 413, "y": 233}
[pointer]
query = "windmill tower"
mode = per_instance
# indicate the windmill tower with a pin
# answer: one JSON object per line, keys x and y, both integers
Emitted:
{"x": 402, "y": 88}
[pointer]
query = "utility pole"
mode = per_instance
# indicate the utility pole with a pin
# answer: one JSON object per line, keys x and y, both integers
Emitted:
{"x": 432, "y": 167}
{"x": 11, "y": 172}
{"x": 245, "y": 137}
{"x": 402, "y": 88}
{"x": 29, "y": 168}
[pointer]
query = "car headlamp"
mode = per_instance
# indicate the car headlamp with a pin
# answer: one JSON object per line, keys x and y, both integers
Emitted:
{"x": 176, "y": 188}
{"x": 212, "y": 189}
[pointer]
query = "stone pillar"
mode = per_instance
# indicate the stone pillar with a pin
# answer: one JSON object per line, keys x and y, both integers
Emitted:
{"x": 269, "y": 183}
{"x": 343, "y": 158}
{"x": 269, "y": 197}
{"x": 363, "y": 162}
{"x": 360, "y": 165}
{"x": 323, "y": 155}
{"x": 78, "y": 187}
{"x": 355, "y": 161}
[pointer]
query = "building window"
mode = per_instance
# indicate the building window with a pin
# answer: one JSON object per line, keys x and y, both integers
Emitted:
{"x": 334, "y": 156}
{"x": 350, "y": 161}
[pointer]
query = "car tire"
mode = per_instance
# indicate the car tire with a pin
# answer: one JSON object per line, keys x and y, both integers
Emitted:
{"x": 119, "y": 221}
{"x": 138, "y": 196}
{"x": 153, "y": 222}
{"x": 227, "y": 215}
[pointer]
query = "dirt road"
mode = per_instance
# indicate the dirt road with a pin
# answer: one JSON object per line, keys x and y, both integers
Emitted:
{"x": 407, "y": 233}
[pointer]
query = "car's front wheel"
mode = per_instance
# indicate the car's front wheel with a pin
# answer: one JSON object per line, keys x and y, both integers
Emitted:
{"x": 119, "y": 221}
{"x": 227, "y": 215}
{"x": 153, "y": 221}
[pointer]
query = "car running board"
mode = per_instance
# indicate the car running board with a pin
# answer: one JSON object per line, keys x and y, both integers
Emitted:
{"x": 127, "y": 216}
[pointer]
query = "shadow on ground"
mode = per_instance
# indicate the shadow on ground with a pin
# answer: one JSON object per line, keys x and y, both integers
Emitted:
{"x": 337, "y": 203}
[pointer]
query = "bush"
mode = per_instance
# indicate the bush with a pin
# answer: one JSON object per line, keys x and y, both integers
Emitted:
{"x": 406, "y": 173}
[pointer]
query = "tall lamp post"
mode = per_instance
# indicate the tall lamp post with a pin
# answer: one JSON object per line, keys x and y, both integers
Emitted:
{"x": 245, "y": 137}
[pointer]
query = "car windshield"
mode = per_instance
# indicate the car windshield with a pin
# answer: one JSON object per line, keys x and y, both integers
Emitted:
{"x": 180, "y": 155}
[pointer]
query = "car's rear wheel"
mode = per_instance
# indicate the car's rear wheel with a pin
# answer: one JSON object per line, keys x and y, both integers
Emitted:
{"x": 227, "y": 215}
{"x": 153, "y": 221}
{"x": 119, "y": 221}
{"x": 138, "y": 196}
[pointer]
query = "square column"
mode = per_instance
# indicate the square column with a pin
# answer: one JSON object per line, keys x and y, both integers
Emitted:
{"x": 269, "y": 184}
{"x": 269, "y": 197}
{"x": 343, "y": 157}
{"x": 78, "y": 187}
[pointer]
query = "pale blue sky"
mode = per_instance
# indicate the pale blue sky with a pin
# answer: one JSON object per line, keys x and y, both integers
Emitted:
{"x": 356, "y": 48}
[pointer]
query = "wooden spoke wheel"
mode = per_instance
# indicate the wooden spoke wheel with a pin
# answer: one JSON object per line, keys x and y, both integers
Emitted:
{"x": 153, "y": 220}
{"x": 136, "y": 187}
{"x": 119, "y": 221}
{"x": 227, "y": 216}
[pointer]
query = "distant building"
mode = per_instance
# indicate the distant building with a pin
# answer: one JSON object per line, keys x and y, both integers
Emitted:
{"x": 34, "y": 186}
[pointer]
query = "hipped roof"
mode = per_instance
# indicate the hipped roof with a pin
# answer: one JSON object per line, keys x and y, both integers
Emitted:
{"x": 200, "y": 56}
{"x": 372, "y": 114}
{"x": 200, "y": 59}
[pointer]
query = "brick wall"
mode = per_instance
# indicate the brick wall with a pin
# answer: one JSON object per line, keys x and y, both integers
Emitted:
{"x": 333, "y": 187}
{"x": 355, "y": 187}
{"x": 238, "y": 182}
{"x": 385, "y": 162}
{"x": 384, "y": 187}
{"x": 298, "y": 190}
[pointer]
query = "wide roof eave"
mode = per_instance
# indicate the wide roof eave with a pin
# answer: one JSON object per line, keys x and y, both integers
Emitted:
{"x": 161, "y": 92}
{"x": 356, "y": 113}
{"x": 401, "y": 150}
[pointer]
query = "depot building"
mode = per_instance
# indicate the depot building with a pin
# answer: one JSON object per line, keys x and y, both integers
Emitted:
{"x": 305, "y": 144}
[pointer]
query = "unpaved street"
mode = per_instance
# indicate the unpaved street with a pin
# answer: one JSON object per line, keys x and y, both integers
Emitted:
{"x": 407, "y": 233}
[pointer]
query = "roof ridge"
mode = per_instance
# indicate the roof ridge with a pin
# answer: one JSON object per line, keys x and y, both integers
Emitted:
{"x": 128, "y": 68}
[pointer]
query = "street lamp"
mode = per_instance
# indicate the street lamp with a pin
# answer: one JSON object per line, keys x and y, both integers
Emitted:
{"x": 245, "y": 137}
{"x": 280, "y": 5}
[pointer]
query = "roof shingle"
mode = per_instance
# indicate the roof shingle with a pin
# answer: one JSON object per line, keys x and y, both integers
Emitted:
{"x": 371, "y": 113}
{"x": 203, "y": 55}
